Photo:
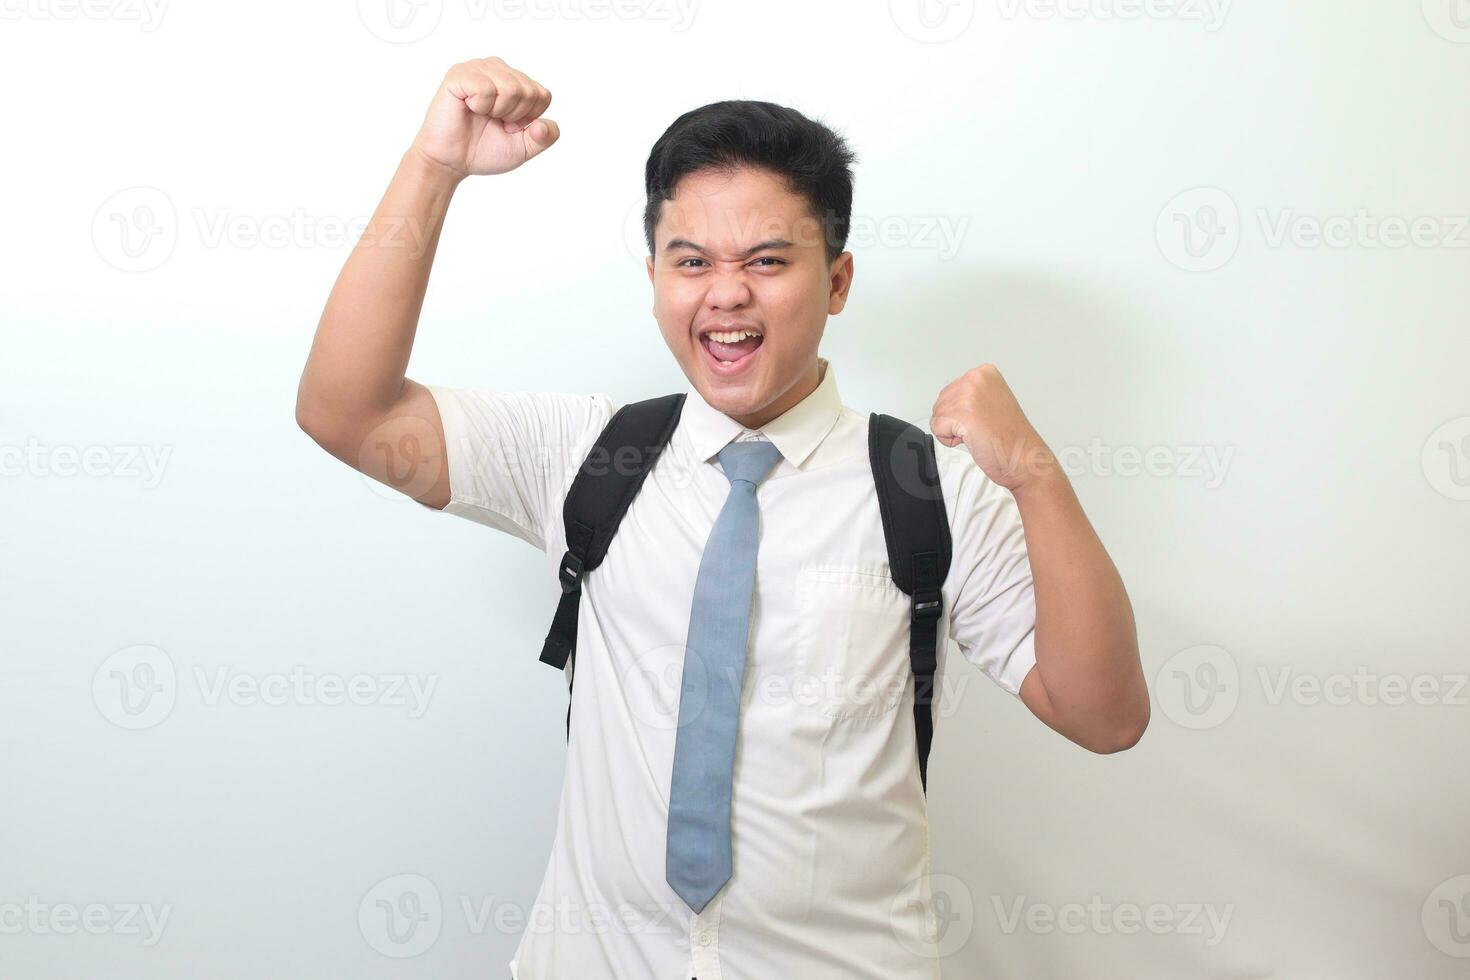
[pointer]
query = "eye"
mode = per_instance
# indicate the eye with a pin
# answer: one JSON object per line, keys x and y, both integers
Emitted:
{"x": 683, "y": 263}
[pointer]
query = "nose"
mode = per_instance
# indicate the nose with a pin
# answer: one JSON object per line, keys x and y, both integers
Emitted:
{"x": 728, "y": 290}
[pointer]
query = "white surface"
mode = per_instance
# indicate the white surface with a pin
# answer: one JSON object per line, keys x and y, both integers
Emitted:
{"x": 1027, "y": 172}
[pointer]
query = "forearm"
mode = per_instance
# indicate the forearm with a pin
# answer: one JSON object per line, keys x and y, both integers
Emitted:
{"x": 359, "y": 357}
{"x": 1086, "y": 640}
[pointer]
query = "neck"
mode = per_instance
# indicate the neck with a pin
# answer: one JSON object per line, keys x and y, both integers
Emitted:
{"x": 791, "y": 397}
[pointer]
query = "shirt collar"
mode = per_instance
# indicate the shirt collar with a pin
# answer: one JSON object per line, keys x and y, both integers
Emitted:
{"x": 796, "y": 432}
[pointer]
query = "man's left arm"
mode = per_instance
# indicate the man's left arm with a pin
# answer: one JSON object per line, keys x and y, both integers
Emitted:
{"x": 1088, "y": 682}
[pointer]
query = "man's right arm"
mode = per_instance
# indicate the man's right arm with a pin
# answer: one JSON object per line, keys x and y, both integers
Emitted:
{"x": 354, "y": 398}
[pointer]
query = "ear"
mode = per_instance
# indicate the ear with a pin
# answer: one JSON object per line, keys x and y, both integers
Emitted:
{"x": 649, "y": 261}
{"x": 841, "y": 282}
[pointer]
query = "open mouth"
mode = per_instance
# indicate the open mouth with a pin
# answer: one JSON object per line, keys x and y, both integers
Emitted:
{"x": 731, "y": 350}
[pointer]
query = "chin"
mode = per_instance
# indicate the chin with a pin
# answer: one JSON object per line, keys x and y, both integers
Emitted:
{"x": 732, "y": 399}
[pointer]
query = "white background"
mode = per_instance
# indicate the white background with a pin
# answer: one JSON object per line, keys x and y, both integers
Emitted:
{"x": 1027, "y": 177}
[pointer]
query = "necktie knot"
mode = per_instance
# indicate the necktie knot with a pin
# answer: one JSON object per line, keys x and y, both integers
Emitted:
{"x": 750, "y": 461}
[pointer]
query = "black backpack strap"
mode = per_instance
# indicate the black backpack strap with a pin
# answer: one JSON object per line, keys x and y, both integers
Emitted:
{"x": 603, "y": 489}
{"x": 916, "y": 529}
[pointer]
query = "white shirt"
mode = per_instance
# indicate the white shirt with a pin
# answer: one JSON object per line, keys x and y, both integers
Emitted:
{"x": 829, "y": 831}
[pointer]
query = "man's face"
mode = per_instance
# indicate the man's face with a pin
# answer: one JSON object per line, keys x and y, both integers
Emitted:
{"x": 736, "y": 251}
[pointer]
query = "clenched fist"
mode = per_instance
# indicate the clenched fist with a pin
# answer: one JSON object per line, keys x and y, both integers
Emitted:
{"x": 979, "y": 410}
{"x": 486, "y": 119}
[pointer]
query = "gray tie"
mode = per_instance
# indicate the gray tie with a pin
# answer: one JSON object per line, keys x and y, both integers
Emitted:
{"x": 697, "y": 862}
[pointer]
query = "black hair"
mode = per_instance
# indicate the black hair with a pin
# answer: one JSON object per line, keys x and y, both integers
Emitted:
{"x": 815, "y": 161}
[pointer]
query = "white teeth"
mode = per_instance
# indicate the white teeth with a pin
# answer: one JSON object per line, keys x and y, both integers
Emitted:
{"x": 732, "y": 336}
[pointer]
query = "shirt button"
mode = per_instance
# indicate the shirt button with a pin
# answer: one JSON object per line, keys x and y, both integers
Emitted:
{"x": 704, "y": 938}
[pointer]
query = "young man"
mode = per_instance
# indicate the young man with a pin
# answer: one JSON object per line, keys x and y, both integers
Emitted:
{"x": 747, "y": 592}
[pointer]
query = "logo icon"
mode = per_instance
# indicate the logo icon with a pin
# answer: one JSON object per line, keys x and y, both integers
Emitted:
{"x": 400, "y": 21}
{"x": 136, "y": 687}
{"x": 947, "y": 911}
{"x": 1199, "y": 687}
{"x": 1446, "y": 459}
{"x": 634, "y": 241}
{"x": 1199, "y": 229}
{"x": 667, "y": 683}
{"x": 910, "y": 465}
{"x": 1450, "y": 19}
{"x": 136, "y": 229}
{"x": 401, "y": 916}
{"x": 932, "y": 21}
{"x": 1445, "y": 916}
{"x": 403, "y": 449}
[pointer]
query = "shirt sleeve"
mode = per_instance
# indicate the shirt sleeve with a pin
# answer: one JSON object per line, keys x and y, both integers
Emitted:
{"x": 989, "y": 589}
{"x": 512, "y": 455}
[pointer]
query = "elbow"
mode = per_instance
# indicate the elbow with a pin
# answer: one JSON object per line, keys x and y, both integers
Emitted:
{"x": 308, "y": 419}
{"x": 318, "y": 423}
{"x": 313, "y": 415}
{"x": 1129, "y": 717}
{"x": 1124, "y": 737}
{"x": 304, "y": 418}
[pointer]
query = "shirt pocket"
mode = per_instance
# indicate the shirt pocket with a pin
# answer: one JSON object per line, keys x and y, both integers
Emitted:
{"x": 852, "y": 639}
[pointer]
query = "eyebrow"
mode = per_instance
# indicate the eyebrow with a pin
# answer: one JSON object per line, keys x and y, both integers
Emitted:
{"x": 677, "y": 243}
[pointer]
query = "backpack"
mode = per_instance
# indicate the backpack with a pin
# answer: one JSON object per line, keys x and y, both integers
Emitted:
{"x": 915, "y": 529}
